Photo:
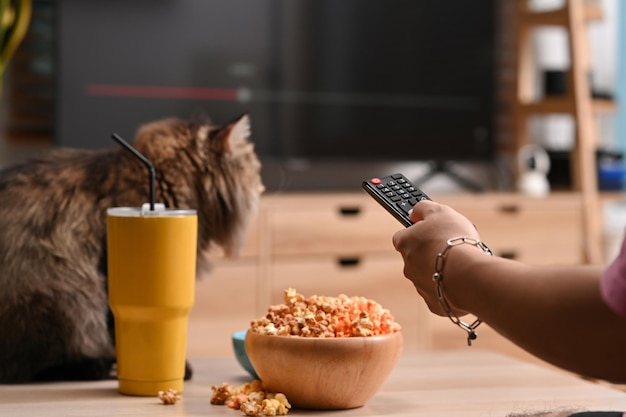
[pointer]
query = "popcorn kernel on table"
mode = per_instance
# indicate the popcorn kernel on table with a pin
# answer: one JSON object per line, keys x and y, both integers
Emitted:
{"x": 169, "y": 397}
{"x": 250, "y": 398}
{"x": 222, "y": 393}
{"x": 251, "y": 408}
{"x": 276, "y": 406}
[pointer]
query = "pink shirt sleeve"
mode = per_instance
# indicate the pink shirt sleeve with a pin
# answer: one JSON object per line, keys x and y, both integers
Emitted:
{"x": 613, "y": 283}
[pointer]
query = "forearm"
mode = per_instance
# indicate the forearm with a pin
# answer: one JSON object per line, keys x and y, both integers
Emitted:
{"x": 556, "y": 313}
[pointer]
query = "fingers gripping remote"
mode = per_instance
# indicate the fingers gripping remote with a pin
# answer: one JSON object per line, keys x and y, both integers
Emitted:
{"x": 396, "y": 194}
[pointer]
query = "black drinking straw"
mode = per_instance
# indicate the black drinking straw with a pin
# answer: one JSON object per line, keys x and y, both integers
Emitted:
{"x": 145, "y": 161}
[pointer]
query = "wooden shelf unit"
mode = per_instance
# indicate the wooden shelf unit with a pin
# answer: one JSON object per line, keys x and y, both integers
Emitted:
{"x": 574, "y": 16}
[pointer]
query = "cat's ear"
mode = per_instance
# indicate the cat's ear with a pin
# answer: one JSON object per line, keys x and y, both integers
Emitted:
{"x": 233, "y": 135}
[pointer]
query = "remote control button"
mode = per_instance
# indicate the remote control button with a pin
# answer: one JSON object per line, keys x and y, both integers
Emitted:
{"x": 405, "y": 206}
{"x": 375, "y": 181}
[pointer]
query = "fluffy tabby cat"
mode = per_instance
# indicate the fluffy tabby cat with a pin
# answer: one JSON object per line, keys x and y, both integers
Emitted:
{"x": 54, "y": 319}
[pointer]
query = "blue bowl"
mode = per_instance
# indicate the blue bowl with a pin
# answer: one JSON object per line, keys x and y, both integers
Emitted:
{"x": 239, "y": 348}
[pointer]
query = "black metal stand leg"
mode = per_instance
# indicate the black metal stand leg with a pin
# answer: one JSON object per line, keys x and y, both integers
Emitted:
{"x": 440, "y": 167}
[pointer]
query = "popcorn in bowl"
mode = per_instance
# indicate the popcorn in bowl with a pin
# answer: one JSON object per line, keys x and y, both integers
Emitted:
{"x": 324, "y": 316}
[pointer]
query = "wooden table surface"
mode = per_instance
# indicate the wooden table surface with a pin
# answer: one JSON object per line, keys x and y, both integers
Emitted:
{"x": 466, "y": 382}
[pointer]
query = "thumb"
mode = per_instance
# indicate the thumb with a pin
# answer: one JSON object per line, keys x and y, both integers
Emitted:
{"x": 422, "y": 209}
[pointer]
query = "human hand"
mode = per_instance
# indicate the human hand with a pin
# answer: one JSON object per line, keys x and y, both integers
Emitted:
{"x": 419, "y": 244}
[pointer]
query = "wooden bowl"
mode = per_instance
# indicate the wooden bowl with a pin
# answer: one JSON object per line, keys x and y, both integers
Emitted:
{"x": 324, "y": 373}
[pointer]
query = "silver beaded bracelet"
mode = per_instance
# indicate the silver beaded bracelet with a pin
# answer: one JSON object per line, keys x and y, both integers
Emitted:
{"x": 440, "y": 263}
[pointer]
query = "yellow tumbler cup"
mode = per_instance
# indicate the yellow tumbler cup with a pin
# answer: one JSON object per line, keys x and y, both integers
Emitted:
{"x": 151, "y": 284}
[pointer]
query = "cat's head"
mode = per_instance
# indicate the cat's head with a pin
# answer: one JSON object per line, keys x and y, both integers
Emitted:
{"x": 213, "y": 169}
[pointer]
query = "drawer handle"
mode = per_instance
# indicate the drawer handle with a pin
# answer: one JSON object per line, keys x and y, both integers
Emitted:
{"x": 348, "y": 262}
{"x": 349, "y": 211}
{"x": 510, "y": 208}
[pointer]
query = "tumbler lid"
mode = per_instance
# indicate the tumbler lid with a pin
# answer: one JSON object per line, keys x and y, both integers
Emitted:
{"x": 145, "y": 211}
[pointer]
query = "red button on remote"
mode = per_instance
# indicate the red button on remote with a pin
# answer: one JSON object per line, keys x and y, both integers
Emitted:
{"x": 375, "y": 181}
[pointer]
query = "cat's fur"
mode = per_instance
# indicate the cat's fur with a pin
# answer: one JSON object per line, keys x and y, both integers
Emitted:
{"x": 54, "y": 318}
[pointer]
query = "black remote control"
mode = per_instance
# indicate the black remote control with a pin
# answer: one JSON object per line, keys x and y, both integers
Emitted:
{"x": 396, "y": 194}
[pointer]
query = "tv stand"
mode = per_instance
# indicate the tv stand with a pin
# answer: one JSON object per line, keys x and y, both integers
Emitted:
{"x": 444, "y": 167}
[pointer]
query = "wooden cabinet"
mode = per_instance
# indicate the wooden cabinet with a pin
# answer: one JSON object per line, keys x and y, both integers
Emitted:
{"x": 327, "y": 244}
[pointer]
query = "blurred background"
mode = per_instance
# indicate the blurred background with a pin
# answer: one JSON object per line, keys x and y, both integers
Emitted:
{"x": 335, "y": 91}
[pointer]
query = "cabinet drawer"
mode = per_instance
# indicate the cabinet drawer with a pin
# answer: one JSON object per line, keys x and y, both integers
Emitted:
{"x": 353, "y": 225}
{"x": 376, "y": 277}
{"x": 533, "y": 236}
{"x": 530, "y": 230}
{"x": 225, "y": 301}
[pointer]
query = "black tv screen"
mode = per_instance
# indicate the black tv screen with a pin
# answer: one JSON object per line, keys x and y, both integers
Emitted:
{"x": 324, "y": 81}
